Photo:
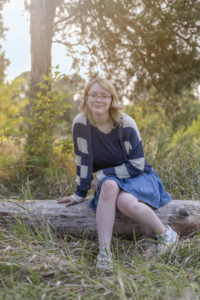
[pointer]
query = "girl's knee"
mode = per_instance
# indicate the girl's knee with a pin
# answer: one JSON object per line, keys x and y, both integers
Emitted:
{"x": 124, "y": 202}
{"x": 121, "y": 201}
{"x": 110, "y": 186}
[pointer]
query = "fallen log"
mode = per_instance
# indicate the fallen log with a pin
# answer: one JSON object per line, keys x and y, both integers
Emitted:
{"x": 79, "y": 219}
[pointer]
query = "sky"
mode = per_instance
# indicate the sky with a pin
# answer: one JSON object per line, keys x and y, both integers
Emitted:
{"x": 17, "y": 43}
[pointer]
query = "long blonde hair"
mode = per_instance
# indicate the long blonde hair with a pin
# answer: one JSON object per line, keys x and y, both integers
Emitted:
{"x": 116, "y": 108}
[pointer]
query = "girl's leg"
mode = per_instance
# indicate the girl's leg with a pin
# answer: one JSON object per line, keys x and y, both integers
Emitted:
{"x": 105, "y": 214}
{"x": 139, "y": 212}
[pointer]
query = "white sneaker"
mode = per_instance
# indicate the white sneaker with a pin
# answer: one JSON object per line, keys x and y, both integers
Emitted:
{"x": 104, "y": 261}
{"x": 167, "y": 239}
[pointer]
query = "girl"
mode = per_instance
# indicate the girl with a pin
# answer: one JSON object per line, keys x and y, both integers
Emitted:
{"x": 107, "y": 142}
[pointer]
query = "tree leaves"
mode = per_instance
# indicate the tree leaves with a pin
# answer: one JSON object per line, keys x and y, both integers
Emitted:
{"x": 4, "y": 62}
{"x": 148, "y": 42}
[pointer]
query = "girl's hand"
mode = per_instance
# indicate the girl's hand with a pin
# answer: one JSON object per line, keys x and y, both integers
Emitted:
{"x": 95, "y": 184}
{"x": 68, "y": 199}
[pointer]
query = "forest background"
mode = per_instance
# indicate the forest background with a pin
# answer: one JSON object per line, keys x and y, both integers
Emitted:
{"x": 151, "y": 54}
{"x": 150, "y": 50}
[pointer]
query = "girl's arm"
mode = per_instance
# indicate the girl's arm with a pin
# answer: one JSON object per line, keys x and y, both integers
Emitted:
{"x": 134, "y": 162}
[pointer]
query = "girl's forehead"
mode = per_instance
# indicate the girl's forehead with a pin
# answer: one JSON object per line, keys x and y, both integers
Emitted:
{"x": 96, "y": 88}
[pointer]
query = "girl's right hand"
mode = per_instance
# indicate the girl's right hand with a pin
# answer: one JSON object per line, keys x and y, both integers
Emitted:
{"x": 95, "y": 184}
{"x": 67, "y": 199}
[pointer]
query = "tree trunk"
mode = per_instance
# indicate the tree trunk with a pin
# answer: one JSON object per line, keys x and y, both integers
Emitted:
{"x": 37, "y": 150}
{"x": 41, "y": 30}
{"x": 182, "y": 215}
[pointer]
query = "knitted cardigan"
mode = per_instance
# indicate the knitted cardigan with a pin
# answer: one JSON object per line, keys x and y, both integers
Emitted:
{"x": 130, "y": 139}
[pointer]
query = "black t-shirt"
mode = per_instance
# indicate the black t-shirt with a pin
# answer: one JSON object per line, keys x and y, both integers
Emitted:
{"x": 107, "y": 149}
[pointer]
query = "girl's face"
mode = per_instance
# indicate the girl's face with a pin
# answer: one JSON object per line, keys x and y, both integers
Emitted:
{"x": 98, "y": 100}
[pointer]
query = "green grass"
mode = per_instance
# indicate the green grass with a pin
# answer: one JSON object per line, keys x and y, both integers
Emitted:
{"x": 177, "y": 164}
{"x": 42, "y": 266}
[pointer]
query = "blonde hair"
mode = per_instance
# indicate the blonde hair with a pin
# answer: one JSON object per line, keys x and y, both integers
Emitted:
{"x": 116, "y": 108}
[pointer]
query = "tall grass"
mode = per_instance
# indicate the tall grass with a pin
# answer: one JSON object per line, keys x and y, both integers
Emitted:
{"x": 177, "y": 162}
{"x": 15, "y": 182}
{"x": 42, "y": 266}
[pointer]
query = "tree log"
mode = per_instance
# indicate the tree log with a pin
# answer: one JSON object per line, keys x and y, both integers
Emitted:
{"x": 79, "y": 219}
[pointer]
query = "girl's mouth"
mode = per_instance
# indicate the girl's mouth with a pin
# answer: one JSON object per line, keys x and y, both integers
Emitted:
{"x": 98, "y": 105}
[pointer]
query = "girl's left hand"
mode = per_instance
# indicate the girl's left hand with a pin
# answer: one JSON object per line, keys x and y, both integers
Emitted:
{"x": 95, "y": 184}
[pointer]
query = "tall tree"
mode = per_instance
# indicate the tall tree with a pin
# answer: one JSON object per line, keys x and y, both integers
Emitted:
{"x": 42, "y": 14}
{"x": 146, "y": 42}
{"x": 4, "y": 62}
{"x": 41, "y": 30}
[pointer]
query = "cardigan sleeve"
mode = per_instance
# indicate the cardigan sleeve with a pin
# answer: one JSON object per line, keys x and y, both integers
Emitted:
{"x": 134, "y": 162}
{"x": 80, "y": 142}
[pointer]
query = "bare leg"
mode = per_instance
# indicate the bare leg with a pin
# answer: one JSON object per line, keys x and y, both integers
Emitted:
{"x": 139, "y": 212}
{"x": 106, "y": 209}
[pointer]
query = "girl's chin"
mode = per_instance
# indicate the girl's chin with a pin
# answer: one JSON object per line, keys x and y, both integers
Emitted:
{"x": 98, "y": 112}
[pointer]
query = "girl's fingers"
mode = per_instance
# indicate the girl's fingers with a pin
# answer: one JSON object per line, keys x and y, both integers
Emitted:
{"x": 63, "y": 200}
{"x": 70, "y": 203}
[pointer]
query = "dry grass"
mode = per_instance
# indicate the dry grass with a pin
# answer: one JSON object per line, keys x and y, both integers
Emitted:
{"x": 43, "y": 266}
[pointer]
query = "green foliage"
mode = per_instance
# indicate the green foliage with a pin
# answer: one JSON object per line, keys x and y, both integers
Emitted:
{"x": 70, "y": 85}
{"x": 46, "y": 111}
{"x": 153, "y": 43}
{"x": 172, "y": 144}
{"x": 194, "y": 129}
{"x": 175, "y": 155}
{"x": 177, "y": 161}
{"x": 149, "y": 117}
{"x": 53, "y": 161}
{"x": 154, "y": 112}
{"x": 12, "y": 107}
{"x": 4, "y": 62}
{"x": 183, "y": 110}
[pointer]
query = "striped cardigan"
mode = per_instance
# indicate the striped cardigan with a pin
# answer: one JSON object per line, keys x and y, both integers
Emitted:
{"x": 130, "y": 139}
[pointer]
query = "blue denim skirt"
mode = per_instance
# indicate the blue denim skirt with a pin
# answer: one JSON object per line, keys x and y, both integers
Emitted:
{"x": 146, "y": 187}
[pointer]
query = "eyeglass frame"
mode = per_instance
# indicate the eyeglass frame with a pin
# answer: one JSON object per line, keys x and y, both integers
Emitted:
{"x": 94, "y": 97}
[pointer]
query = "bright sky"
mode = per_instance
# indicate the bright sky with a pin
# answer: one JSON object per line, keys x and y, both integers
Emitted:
{"x": 17, "y": 43}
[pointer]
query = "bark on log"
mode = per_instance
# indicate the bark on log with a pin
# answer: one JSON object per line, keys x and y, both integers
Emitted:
{"x": 182, "y": 215}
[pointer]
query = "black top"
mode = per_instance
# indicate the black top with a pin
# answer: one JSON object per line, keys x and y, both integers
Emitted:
{"x": 107, "y": 150}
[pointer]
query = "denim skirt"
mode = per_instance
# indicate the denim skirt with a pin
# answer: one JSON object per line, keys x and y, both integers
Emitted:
{"x": 146, "y": 187}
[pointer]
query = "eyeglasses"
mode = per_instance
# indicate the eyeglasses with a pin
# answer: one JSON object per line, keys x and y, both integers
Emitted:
{"x": 95, "y": 96}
